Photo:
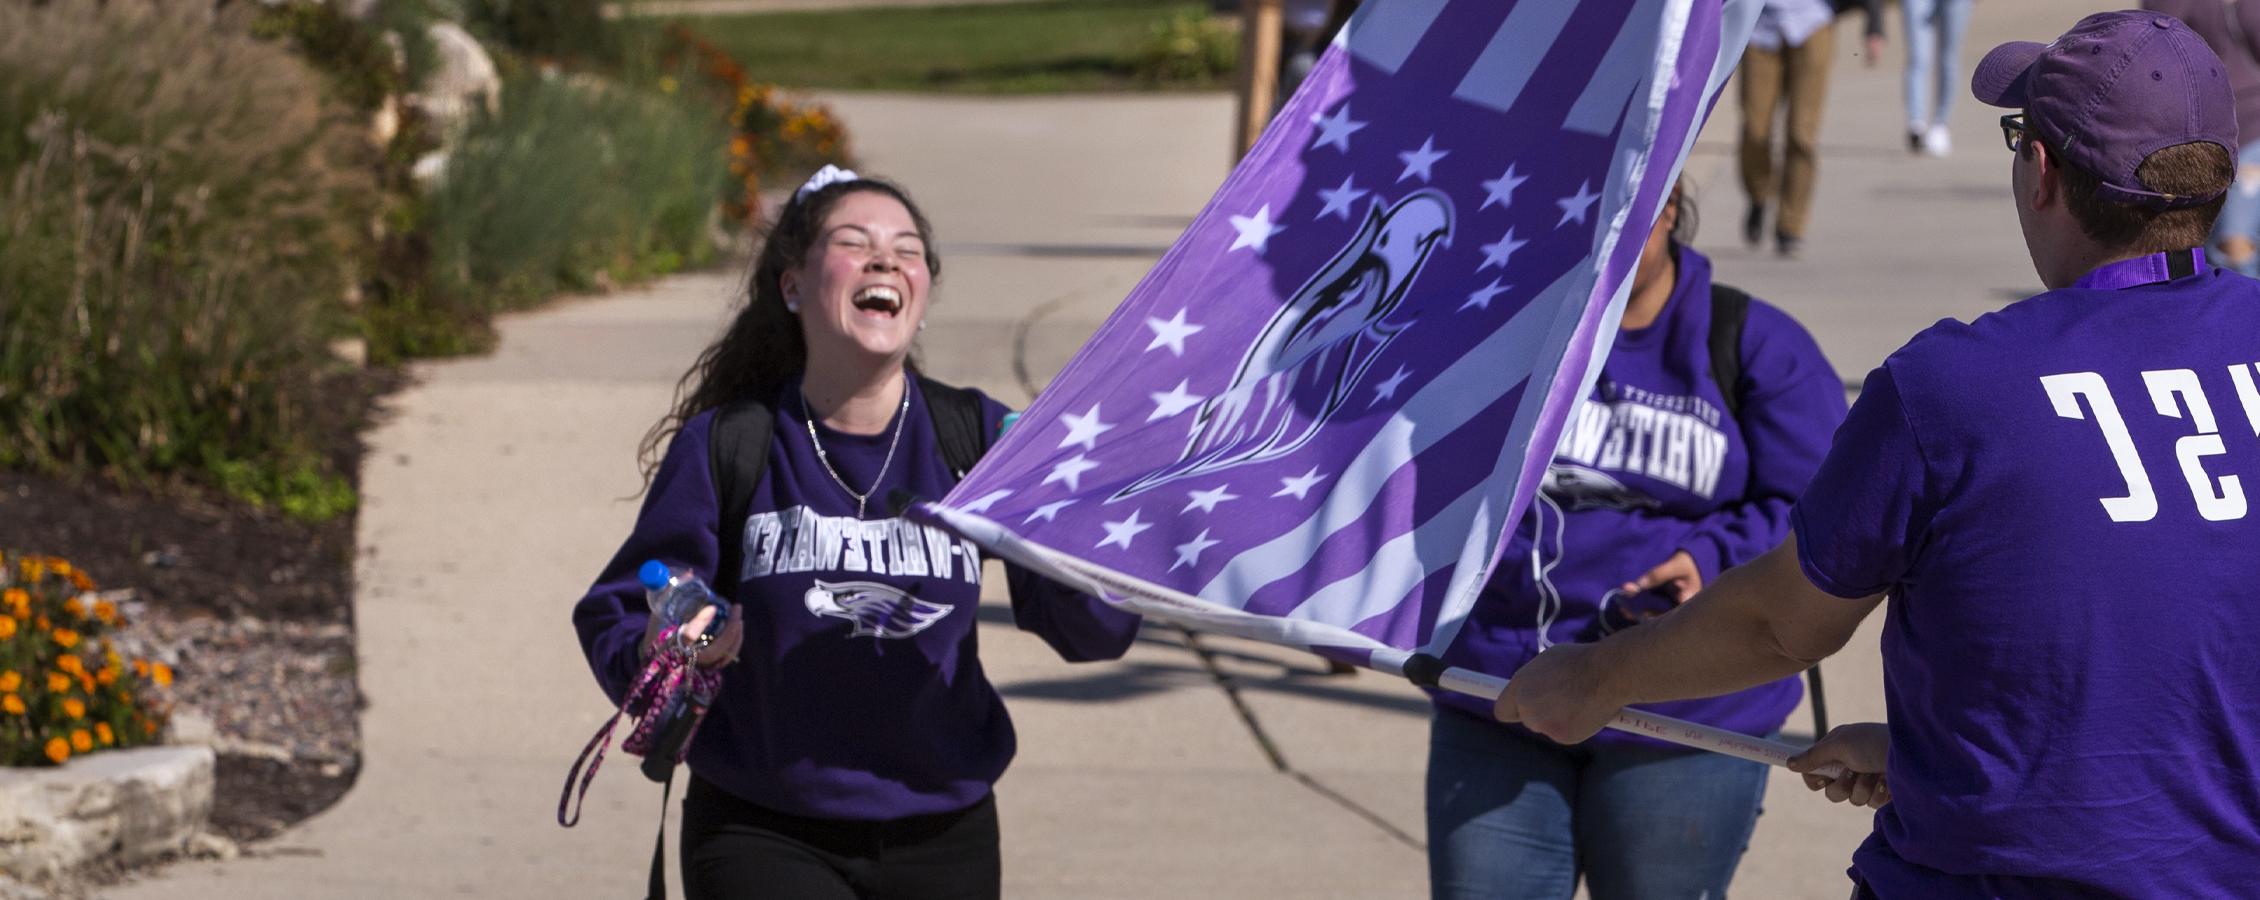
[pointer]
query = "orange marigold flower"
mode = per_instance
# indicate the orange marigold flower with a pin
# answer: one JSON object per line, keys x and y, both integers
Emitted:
{"x": 86, "y": 681}
{"x": 65, "y": 638}
{"x": 148, "y": 727}
{"x": 69, "y": 662}
{"x": 106, "y": 611}
{"x": 106, "y": 677}
{"x": 62, "y": 567}
{"x": 58, "y": 750}
{"x": 162, "y": 674}
{"x": 16, "y": 596}
{"x": 58, "y": 682}
{"x": 81, "y": 581}
{"x": 141, "y": 667}
{"x": 102, "y": 733}
{"x": 82, "y": 740}
{"x": 75, "y": 608}
{"x": 74, "y": 708}
{"x": 9, "y": 681}
{"x": 7, "y": 627}
{"x": 12, "y": 703}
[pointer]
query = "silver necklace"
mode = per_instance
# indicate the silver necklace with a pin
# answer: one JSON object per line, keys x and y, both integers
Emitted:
{"x": 861, "y": 499}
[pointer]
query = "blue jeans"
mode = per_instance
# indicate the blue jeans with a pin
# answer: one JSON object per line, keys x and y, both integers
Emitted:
{"x": 1515, "y": 816}
{"x": 1934, "y": 54}
{"x": 2240, "y": 213}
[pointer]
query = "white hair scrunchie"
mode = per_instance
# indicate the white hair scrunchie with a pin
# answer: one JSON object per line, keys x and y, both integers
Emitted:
{"x": 828, "y": 175}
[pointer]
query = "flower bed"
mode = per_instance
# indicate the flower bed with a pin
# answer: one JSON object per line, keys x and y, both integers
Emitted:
{"x": 64, "y": 689}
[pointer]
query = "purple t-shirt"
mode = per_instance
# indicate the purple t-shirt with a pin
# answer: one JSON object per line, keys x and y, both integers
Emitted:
{"x": 1652, "y": 463}
{"x": 2055, "y": 497}
{"x": 858, "y": 693}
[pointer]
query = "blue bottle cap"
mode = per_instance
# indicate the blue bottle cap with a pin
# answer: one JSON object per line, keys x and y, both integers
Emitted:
{"x": 654, "y": 575}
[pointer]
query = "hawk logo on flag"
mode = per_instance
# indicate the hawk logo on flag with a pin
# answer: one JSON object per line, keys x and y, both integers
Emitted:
{"x": 1314, "y": 421}
{"x": 876, "y": 609}
{"x": 1315, "y": 352}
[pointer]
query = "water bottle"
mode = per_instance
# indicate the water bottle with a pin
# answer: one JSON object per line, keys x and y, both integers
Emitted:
{"x": 676, "y": 595}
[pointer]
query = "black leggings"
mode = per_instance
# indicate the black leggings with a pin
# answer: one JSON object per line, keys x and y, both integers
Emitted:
{"x": 733, "y": 849}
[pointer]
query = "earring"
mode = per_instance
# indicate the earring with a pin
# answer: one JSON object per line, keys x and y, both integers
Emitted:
{"x": 922, "y": 324}
{"x": 792, "y": 306}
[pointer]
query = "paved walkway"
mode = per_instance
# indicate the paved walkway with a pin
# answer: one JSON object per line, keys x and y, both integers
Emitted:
{"x": 497, "y": 486}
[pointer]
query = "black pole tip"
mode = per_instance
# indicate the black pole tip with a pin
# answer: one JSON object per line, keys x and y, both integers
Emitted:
{"x": 900, "y": 501}
{"x": 1423, "y": 669}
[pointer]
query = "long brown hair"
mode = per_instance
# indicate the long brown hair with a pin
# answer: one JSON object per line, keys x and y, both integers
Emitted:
{"x": 763, "y": 349}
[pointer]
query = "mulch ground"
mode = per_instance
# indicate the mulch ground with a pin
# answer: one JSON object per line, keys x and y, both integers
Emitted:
{"x": 254, "y": 611}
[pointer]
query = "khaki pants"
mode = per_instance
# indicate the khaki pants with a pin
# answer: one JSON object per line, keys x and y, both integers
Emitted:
{"x": 1797, "y": 76}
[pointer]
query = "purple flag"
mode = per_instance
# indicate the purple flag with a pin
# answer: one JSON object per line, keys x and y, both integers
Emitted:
{"x": 1316, "y": 418}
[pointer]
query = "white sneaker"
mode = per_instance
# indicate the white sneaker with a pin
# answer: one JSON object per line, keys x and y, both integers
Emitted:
{"x": 1937, "y": 142}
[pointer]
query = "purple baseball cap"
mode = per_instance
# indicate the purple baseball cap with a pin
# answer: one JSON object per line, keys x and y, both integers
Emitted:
{"x": 2111, "y": 91}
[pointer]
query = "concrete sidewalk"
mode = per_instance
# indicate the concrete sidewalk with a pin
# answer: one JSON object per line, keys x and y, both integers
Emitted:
{"x": 497, "y": 487}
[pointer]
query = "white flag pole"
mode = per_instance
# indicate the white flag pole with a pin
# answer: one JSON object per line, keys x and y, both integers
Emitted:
{"x": 1423, "y": 669}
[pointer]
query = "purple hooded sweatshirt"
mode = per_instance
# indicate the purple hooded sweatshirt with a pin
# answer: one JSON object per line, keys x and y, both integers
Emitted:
{"x": 1651, "y": 464}
{"x": 858, "y": 693}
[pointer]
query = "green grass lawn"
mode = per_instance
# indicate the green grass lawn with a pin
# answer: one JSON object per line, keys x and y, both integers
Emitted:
{"x": 1039, "y": 47}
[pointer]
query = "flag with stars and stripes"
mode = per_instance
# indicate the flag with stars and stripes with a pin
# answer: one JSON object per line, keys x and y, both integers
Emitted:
{"x": 1317, "y": 417}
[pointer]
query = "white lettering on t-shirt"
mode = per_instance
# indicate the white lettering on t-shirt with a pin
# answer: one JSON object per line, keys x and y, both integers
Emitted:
{"x": 2175, "y": 394}
{"x": 795, "y": 540}
{"x": 2216, "y": 503}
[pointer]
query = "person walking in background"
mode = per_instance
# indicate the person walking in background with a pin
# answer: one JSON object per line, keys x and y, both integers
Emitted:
{"x": 2056, "y": 499}
{"x": 1619, "y": 535}
{"x": 1934, "y": 70}
{"x": 2231, "y": 27}
{"x": 1786, "y": 66}
{"x": 852, "y": 749}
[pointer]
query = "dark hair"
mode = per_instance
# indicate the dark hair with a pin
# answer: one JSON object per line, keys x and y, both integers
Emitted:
{"x": 763, "y": 349}
{"x": 2196, "y": 168}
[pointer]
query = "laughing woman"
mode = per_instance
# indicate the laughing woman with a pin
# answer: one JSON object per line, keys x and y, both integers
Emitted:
{"x": 853, "y": 747}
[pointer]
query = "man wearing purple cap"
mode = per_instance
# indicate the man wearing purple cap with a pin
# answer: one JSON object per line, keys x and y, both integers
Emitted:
{"x": 2054, "y": 499}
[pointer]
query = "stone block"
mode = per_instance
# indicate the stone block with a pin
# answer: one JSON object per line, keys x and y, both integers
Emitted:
{"x": 130, "y": 804}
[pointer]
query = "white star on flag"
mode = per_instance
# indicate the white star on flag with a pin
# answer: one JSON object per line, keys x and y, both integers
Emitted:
{"x": 1421, "y": 160}
{"x": 1255, "y": 231}
{"x": 1084, "y": 429}
{"x": 1071, "y": 471}
{"x": 1206, "y": 501}
{"x": 1047, "y": 512}
{"x": 1121, "y": 533}
{"x": 987, "y": 500}
{"x": 1387, "y": 390}
{"x": 1189, "y": 553}
{"x": 1176, "y": 401}
{"x": 1299, "y": 486}
{"x": 1338, "y": 200}
{"x": 1482, "y": 296}
{"x": 1501, "y": 190}
{"x": 1335, "y": 130}
{"x": 1171, "y": 333}
{"x": 1497, "y": 254}
{"x": 1575, "y": 208}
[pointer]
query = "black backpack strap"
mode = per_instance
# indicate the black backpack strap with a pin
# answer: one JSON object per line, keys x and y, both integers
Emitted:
{"x": 737, "y": 452}
{"x": 1730, "y": 311}
{"x": 957, "y": 424}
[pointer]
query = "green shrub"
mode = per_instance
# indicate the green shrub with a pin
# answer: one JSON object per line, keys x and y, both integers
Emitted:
{"x": 1189, "y": 48}
{"x": 182, "y": 212}
{"x": 548, "y": 28}
{"x": 574, "y": 177}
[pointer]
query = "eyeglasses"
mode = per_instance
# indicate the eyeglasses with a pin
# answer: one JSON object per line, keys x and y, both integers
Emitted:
{"x": 2015, "y": 132}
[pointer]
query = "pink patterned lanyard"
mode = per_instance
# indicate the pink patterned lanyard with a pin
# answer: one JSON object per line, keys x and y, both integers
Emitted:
{"x": 672, "y": 670}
